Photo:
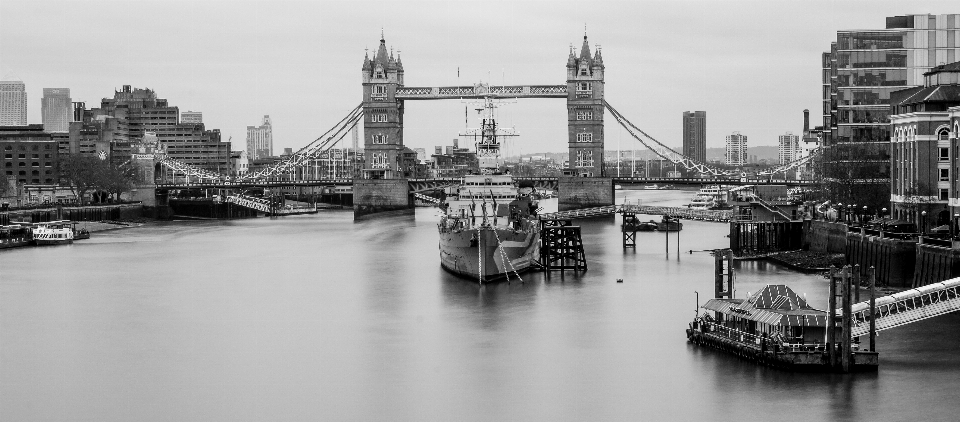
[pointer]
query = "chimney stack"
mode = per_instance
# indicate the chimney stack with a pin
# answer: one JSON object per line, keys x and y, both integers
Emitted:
{"x": 806, "y": 121}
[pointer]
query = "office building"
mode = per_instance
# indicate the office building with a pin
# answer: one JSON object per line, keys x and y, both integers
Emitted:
{"x": 861, "y": 70}
{"x": 191, "y": 117}
{"x": 13, "y": 103}
{"x": 260, "y": 140}
{"x": 56, "y": 110}
{"x": 788, "y": 147}
{"x": 736, "y": 153}
{"x": 695, "y": 135}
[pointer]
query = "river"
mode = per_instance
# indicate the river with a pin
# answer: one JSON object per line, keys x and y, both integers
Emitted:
{"x": 319, "y": 317}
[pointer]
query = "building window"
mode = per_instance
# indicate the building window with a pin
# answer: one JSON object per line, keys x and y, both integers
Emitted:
{"x": 584, "y": 71}
{"x": 379, "y": 118}
{"x": 378, "y": 72}
{"x": 944, "y": 175}
{"x": 583, "y": 87}
{"x": 944, "y": 194}
{"x": 378, "y": 160}
{"x": 584, "y": 137}
{"x": 944, "y": 154}
{"x": 943, "y": 135}
{"x": 379, "y": 92}
{"x": 584, "y": 158}
{"x": 584, "y": 115}
{"x": 379, "y": 138}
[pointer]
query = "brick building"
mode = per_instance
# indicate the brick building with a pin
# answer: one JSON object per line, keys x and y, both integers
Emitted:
{"x": 28, "y": 154}
{"x": 924, "y": 163}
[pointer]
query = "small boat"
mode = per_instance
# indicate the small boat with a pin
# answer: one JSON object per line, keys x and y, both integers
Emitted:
{"x": 81, "y": 234}
{"x": 647, "y": 226}
{"x": 617, "y": 187}
{"x": 15, "y": 235}
{"x": 669, "y": 225}
{"x": 54, "y": 233}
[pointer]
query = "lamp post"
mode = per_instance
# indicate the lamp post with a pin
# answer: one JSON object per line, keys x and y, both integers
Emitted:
{"x": 954, "y": 222}
{"x": 883, "y": 219}
{"x": 853, "y": 213}
{"x": 923, "y": 223}
{"x": 864, "y": 216}
{"x": 697, "y": 308}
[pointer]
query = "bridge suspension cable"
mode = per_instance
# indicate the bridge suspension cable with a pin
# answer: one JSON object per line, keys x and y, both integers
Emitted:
{"x": 664, "y": 151}
{"x": 311, "y": 150}
{"x": 688, "y": 163}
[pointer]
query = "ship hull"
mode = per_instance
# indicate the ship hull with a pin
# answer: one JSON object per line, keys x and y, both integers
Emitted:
{"x": 489, "y": 254}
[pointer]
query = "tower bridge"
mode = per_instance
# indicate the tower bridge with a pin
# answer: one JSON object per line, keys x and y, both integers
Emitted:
{"x": 385, "y": 184}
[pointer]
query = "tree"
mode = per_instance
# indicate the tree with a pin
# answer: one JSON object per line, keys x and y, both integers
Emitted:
{"x": 81, "y": 173}
{"x": 118, "y": 178}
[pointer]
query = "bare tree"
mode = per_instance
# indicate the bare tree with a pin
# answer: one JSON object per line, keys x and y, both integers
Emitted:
{"x": 81, "y": 173}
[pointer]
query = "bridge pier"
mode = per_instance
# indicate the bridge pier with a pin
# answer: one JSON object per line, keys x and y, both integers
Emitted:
{"x": 377, "y": 196}
{"x": 584, "y": 192}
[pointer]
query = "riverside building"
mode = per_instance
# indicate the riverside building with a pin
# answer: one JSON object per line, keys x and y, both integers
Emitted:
{"x": 924, "y": 124}
{"x": 861, "y": 70}
{"x": 13, "y": 103}
{"x": 788, "y": 148}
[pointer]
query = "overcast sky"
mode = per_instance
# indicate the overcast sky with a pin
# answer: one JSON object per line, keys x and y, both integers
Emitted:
{"x": 753, "y": 66}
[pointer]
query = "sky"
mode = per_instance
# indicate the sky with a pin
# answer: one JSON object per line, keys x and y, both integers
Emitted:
{"x": 753, "y": 66}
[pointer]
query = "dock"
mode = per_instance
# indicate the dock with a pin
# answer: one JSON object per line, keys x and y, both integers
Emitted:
{"x": 673, "y": 212}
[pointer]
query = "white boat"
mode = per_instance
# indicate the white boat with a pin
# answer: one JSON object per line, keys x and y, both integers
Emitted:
{"x": 708, "y": 197}
{"x": 489, "y": 229}
{"x": 53, "y": 233}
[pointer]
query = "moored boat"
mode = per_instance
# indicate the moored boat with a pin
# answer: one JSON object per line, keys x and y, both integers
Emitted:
{"x": 53, "y": 233}
{"x": 15, "y": 235}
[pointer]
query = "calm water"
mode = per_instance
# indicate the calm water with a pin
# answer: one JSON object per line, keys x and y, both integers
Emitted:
{"x": 320, "y": 318}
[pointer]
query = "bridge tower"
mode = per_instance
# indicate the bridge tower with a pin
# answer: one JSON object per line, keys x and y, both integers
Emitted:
{"x": 383, "y": 186}
{"x": 585, "y": 183}
{"x": 585, "y": 112}
{"x": 382, "y": 115}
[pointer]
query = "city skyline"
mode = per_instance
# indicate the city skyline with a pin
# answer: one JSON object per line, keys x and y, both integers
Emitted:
{"x": 309, "y": 50}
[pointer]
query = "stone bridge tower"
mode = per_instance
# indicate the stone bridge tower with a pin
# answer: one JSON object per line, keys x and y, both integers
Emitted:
{"x": 585, "y": 112}
{"x": 382, "y": 115}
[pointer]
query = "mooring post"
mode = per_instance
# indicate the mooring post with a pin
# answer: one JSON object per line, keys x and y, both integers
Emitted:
{"x": 847, "y": 349}
{"x": 873, "y": 308}
{"x": 730, "y": 281}
{"x": 831, "y": 317}
{"x": 856, "y": 283}
{"x": 666, "y": 233}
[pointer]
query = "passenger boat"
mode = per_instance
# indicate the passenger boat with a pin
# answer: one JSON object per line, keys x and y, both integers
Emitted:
{"x": 53, "y": 233}
{"x": 708, "y": 198}
{"x": 489, "y": 230}
{"x": 15, "y": 235}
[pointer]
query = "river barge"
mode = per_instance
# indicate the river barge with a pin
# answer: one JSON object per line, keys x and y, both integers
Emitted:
{"x": 15, "y": 235}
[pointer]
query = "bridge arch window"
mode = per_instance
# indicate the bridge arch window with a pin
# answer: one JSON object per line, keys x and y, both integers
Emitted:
{"x": 379, "y": 117}
{"x": 584, "y": 137}
{"x": 379, "y": 92}
{"x": 379, "y": 138}
{"x": 378, "y": 160}
{"x": 584, "y": 158}
{"x": 378, "y": 72}
{"x": 943, "y": 134}
{"x": 584, "y": 115}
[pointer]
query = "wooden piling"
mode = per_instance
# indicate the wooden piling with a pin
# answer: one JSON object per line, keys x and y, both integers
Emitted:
{"x": 832, "y": 318}
{"x": 847, "y": 349}
{"x": 871, "y": 275}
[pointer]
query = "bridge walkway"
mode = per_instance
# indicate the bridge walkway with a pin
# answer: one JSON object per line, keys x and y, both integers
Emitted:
{"x": 907, "y": 307}
{"x": 676, "y": 212}
{"x": 265, "y": 206}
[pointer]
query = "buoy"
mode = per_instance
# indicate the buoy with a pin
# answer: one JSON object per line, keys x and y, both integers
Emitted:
{"x": 619, "y": 280}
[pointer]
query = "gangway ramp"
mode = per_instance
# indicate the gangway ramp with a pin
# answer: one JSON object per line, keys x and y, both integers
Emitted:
{"x": 265, "y": 206}
{"x": 907, "y": 307}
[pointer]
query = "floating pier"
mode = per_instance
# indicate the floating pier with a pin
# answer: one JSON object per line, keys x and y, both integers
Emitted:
{"x": 778, "y": 328}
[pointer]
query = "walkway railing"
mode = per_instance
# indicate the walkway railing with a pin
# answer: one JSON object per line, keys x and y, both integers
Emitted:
{"x": 907, "y": 307}
{"x": 675, "y": 212}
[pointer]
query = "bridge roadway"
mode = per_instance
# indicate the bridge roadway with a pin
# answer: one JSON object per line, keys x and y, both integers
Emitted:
{"x": 419, "y": 185}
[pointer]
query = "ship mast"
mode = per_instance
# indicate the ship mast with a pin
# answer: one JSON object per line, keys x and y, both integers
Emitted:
{"x": 487, "y": 136}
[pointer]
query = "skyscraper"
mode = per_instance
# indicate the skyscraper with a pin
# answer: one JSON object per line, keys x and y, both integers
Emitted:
{"x": 789, "y": 147}
{"x": 695, "y": 135}
{"x": 13, "y": 103}
{"x": 56, "y": 110}
{"x": 736, "y": 154}
{"x": 260, "y": 140}
{"x": 860, "y": 71}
